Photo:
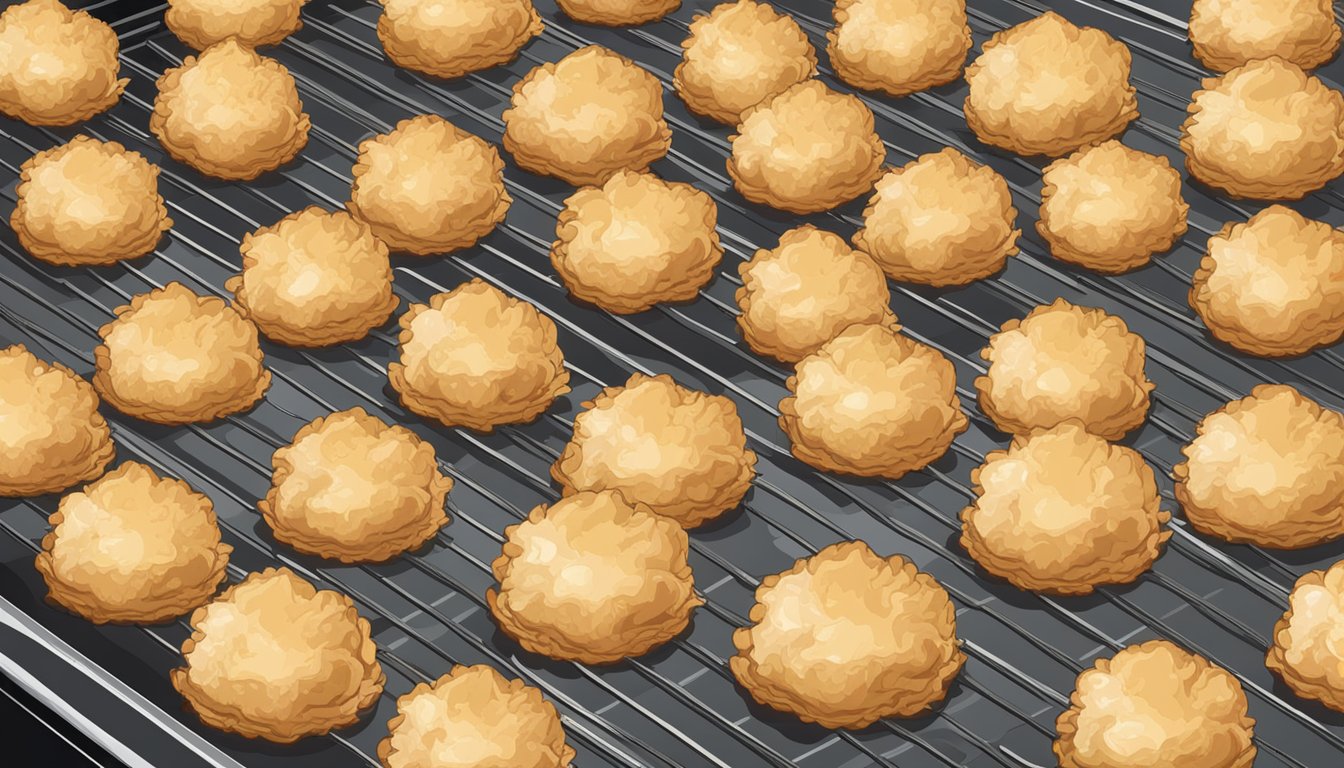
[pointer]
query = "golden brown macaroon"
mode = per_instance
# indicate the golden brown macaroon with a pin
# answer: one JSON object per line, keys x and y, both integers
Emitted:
{"x": 133, "y": 547}
{"x": 53, "y": 435}
{"x": 593, "y": 578}
{"x": 452, "y": 38}
{"x": 313, "y": 279}
{"x": 872, "y": 402}
{"x": 1157, "y": 706}
{"x": 173, "y": 357}
{"x": 230, "y": 113}
{"x": 804, "y": 291}
{"x": 636, "y": 241}
{"x": 739, "y": 54}
{"x": 617, "y": 13}
{"x": 585, "y": 117}
{"x": 845, "y": 638}
{"x": 1064, "y": 511}
{"x": 1307, "y": 638}
{"x": 681, "y": 452}
{"x": 940, "y": 220}
{"x": 1274, "y": 285}
{"x": 899, "y": 46}
{"x": 1267, "y": 470}
{"x": 474, "y": 717}
{"x": 202, "y": 23}
{"x": 1047, "y": 87}
{"x": 806, "y": 149}
{"x": 1229, "y": 33}
{"x": 478, "y": 358}
{"x": 1109, "y": 208}
{"x": 352, "y": 488}
{"x": 57, "y": 66}
{"x": 1065, "y": 362}
{"x": 1265, "y": 130}
{"x": 275, "y": 658}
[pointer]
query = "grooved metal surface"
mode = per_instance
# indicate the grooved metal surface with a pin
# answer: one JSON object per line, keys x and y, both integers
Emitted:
{"x": 679, "y": 705}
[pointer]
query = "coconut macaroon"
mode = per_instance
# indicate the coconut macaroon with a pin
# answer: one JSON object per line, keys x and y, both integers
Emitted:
{"x": 173, "y": 357}
{"x": 1306, "y": 651}
{"x": 1065, "y": 362}
{"x": 872, "y": 402}
{"x": 1265, "y": 130}
{"x": 1047, "y": 87}
{"x": 133, "y": 547}
{"x": 54, "y": 436}
{"x": 1155, "y": 704}
{"x": 845, "y": 638}
{"x": 1273, "y": 286}
{"x": 617, "y": 13}
{"x": 1064, "y": 511}
{"x": 636, "y": 241}
{"x": 202, "y": 23}
{"x": 805, "y": 150}
{"x": 1109, "y": 208}
{"x": 230, "y": 113}
{"x": 940, "y": 220}
{"x": 478, "y": 358}
{"x": 804, "y": 291}
{"x": 738, "y": 55}
{"x": 275, "y": 658}
{"x": 452, "y": 38}
{"x": 57, "y": 66}
{"x": 352, "y": 488}
{"x": 899, "y": 47}
{"x": 474, "y": 716}
{"x": 681, "y": 452}
{"x": 593, "y": 578}
{"x": 585, "y": 117}
{"x": 1229, "y": 33}
{"x": 1267, "y": 470}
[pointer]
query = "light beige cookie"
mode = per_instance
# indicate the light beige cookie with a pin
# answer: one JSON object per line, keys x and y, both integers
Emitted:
{"x": 1307, "y": 638}
{"x": 899, "y": 47}
{"x": 681, "y": 452}
{"x": 1229, "y": 33}
{"x": 845, "y": 638}
{"x": 452, "y": 38}
{"x": 57, "y": 66}
{"x": 202, "y": 23}
{"x": 617, "y": 13}
{"x": 636, "y": 241}
{"x": 133, "y": 547}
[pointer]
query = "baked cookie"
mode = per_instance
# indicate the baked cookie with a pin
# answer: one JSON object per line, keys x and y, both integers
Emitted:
{"x": 57, "y": 66}
{"x": 275, "y": 658}
{"x": 872, "y": 402}
{"x": 1266, "y": 470}
{"x": 899, "y": 47}
{"x": 133, "y": 547}
{"x": 806, "y": 149}
{"x": 593, "y": 578}
{"x": 1265, "y": 130}
{"x": 681, "y": 452}
{"x": 585, "y": 117}
{"x": 1064, "y": 511}
{"x": 452, "y": 38}
{"x": 352, "y": 488}
{"x": 173, "y": 357}
{"x": 803, "y": 292}
{"x": 1274, "y": 285}
{"x": 636, "y": 241}
{"x": 1046, "y": 87}
{"x": 1229, "y": 33}
{"x": 1064, "y": 362}
{"x": 1157, "y": 706}
{"x": 617, "y": 13}
{"x": 53, "y": 436}
{"x": 230, "y": 113}
{"x": 845, "y": 638}
{"x": 1306, "y": 645}
{"x": 940, "y": 220}
{"x": 473, "y": 717}
{"x": 202, "y": 23}
{"x": 739, "y": 54}
{"x": 478, "y": 358}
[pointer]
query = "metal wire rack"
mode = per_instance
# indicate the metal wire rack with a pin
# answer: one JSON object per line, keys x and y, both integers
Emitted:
{"x": 677, "y": 706}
